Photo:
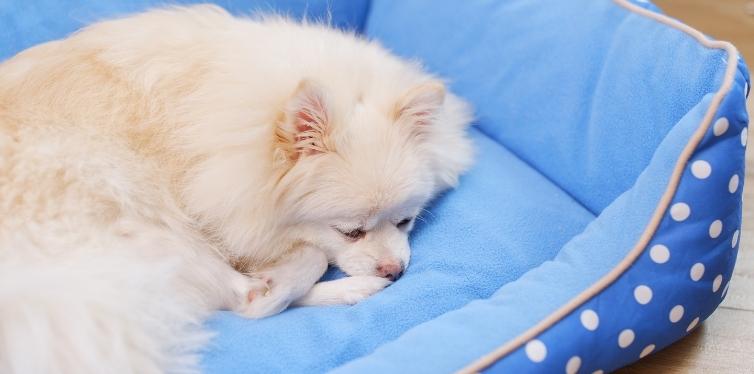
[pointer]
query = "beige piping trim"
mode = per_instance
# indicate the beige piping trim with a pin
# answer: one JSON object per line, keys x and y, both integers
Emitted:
{"x": 730, "y": 72}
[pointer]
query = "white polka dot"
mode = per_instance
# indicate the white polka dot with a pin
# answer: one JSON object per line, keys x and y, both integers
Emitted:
{"x": 701, "y": 169}
{"x": 733, "y": 184}
{"x": 659, "y": 253}
{"x": 625, "y": 338}
{"x": 744, "y": 136}
{"x": 697, "y": 271}
{"x": 680, "y": 211}
{"x": 720, "y": 127}
{"x": 573, "y": 365}
{"x": 676, "y": 313}
{"x": 715, "y": 228}
{"x": 647, "y": 350}
{"x": 536, "y": 350}
{"x": 693, "y": 324}
{"x": 598, "y": 372}
{"x": 590, "y": 319}
{"x": 717, "y": 282}
{"x": 643, "y": 294}
{"x": 734, "y": 241}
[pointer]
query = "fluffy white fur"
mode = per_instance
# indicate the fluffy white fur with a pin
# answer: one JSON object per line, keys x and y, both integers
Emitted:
{"x": 162, "y": 166}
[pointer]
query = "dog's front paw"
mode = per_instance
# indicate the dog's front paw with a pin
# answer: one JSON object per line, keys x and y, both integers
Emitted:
{"x": 359, "y": 288}
{"x": 349, "y": 290}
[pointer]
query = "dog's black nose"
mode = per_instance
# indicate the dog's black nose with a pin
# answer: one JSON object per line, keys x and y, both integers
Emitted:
{"x": 394, "y": 277}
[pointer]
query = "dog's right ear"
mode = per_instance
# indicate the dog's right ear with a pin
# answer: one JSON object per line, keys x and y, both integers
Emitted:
{"x": 304, "y": 125}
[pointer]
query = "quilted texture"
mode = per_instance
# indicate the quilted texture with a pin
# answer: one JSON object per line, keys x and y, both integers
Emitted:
{"x": 580, "y": 126}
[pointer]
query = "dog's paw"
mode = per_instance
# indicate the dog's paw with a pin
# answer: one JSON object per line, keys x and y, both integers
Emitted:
{"x": 349, "y": 290}
{"x": 358, "y": 288}
{"x": 253, "y": 287}
{"x": 264, "y": 299}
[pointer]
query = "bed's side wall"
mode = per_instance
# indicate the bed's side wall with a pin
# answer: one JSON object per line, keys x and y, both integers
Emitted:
{"x": 680, "y": 277}
{"x": 580, "y": 89}
{"x": 26, "y": 23}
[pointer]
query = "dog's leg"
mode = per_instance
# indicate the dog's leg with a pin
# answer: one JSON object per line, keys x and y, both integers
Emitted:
{"x": 350, "y": 290}
{"x": 289, "y": 279}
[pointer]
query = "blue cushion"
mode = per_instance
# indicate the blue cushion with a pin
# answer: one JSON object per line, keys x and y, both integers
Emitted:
{"x": 503, "y": 220}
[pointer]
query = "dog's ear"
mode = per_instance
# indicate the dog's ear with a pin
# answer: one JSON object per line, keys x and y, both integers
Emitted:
{"x": 421, "y": 104}
{"x": 304, "y": 126}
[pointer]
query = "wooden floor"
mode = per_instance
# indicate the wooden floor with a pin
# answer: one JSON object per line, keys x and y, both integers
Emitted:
{"x": 725, "y": 342}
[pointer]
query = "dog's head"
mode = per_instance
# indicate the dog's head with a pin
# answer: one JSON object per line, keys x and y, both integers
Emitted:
{"x": 359, "y": 169}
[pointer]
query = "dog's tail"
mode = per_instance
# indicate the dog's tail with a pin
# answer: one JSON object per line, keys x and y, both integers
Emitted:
{"x": 84, "y": 314}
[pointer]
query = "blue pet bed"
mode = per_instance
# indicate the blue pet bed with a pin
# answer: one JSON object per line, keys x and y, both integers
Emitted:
{"x": 599, "y": 224}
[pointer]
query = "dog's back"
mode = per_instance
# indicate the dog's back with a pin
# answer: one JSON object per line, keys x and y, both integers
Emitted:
{"x": 94, "y": 248}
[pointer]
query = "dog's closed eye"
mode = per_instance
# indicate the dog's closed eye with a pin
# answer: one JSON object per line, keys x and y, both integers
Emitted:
{"x": 404, "y": 223}
{"x": 352, "y": 234}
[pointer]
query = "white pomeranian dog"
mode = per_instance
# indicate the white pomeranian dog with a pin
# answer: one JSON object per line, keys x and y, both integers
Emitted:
{"x": 159, "y": 167}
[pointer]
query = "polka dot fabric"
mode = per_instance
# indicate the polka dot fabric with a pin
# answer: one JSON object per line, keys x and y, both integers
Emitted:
{"x": 681, "y": 276}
